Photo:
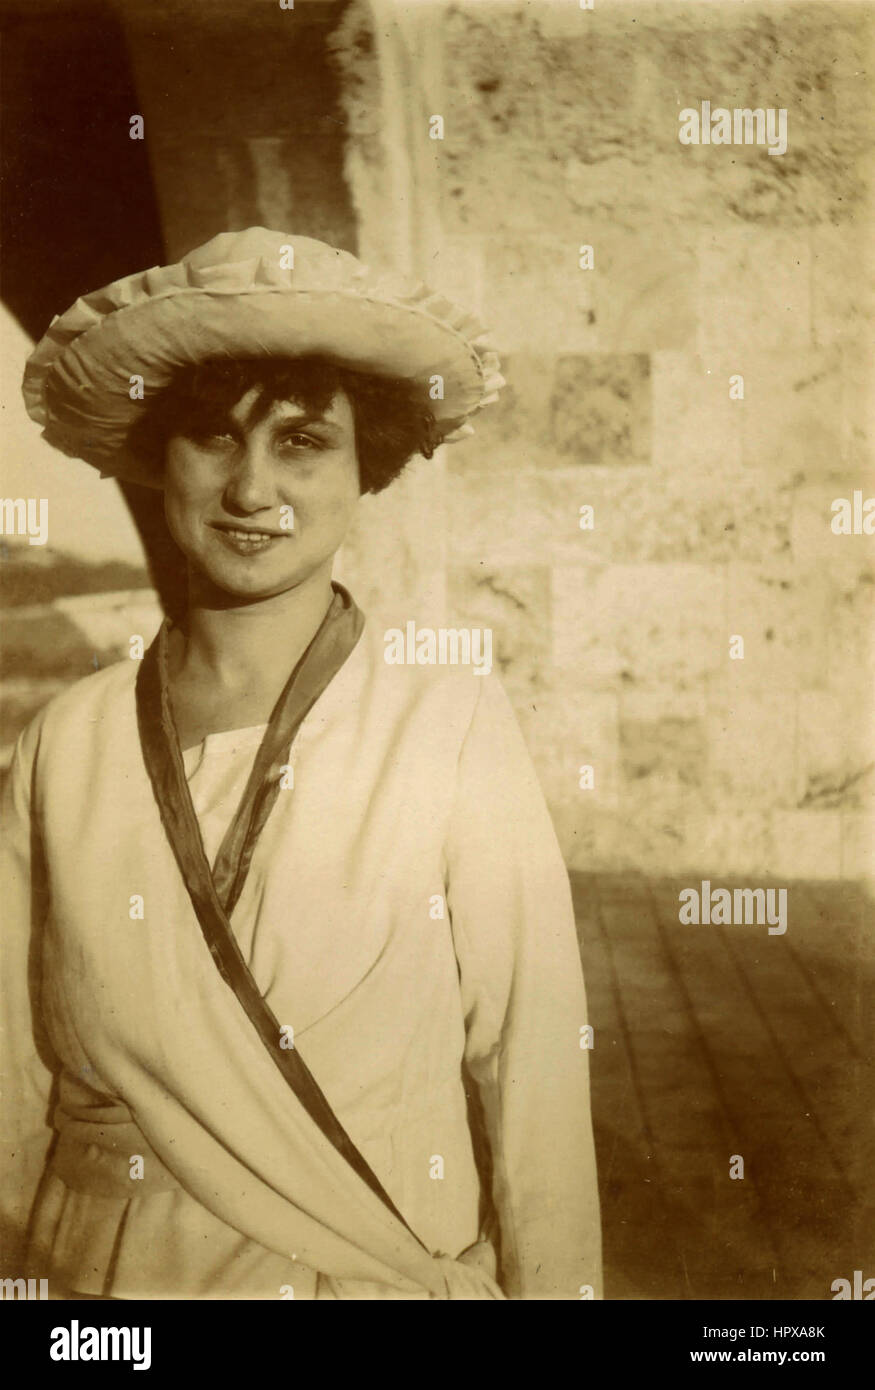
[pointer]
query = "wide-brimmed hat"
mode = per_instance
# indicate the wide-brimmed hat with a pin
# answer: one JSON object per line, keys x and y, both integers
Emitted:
{"x": 243, "y": 295}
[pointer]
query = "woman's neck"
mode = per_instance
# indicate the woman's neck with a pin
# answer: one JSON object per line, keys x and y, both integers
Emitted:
{"x": 227, "y": 664}
{"x": 224, "y": 637}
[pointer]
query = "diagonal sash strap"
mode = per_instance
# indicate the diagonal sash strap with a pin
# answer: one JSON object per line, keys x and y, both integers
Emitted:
{"x": 214, "y": 893}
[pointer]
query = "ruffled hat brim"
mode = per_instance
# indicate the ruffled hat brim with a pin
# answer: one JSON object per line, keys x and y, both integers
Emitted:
{"x": 224, "y": 301}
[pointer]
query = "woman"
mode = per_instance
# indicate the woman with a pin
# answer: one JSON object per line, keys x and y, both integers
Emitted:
{"x": 294, "y": 996}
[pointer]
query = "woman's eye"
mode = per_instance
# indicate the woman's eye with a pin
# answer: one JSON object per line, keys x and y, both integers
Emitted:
{"x": 211, "y": 439}
{"x": 299, "y": 441}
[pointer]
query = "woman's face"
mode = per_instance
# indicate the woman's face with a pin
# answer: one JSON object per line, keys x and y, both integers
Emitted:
{"x": 260, "y": 507}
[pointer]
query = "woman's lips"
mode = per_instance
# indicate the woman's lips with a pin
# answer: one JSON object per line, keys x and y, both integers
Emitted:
{"x": 248, "y": 540}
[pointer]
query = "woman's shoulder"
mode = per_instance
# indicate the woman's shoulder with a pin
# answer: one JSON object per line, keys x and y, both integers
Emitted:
{"x": 414, "y": 664}
{"x": 90, "y": 699}
{"x": 440, "y": 703}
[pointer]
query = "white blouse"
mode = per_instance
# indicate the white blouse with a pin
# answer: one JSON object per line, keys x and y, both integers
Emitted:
{"x": 407, "y": 912}
{"x": 217, "y": 770}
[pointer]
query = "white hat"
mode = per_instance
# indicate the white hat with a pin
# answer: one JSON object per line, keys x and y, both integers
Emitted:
{"x": 243, "y": 295}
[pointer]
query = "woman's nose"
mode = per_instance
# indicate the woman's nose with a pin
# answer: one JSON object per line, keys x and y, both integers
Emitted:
{"x": 250, "y": 487}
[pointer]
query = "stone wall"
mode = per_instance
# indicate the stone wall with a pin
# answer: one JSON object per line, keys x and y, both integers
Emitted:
{"x": 711, "y": 514}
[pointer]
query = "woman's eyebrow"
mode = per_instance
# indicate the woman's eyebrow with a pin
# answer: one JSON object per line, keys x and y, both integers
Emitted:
{"x": 304, "y": 420}
{"x": 222, "y": 419}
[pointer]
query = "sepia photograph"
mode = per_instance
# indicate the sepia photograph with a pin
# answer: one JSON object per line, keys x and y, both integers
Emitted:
{"x": 437, "y": 580}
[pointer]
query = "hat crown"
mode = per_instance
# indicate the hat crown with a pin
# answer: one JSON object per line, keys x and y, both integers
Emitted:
{"x": 265, "y": 244}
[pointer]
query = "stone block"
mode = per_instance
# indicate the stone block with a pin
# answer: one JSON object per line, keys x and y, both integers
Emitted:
{"x": 662, "y": 751}
{"x": 835, "y": 761}
{"x": 637, "y": 515}
{"x": 762, "y": 512}
{"x": 601, "y": 408}
{"x": 515, "y": 602}
{"x": 736, "y": 840}
{"x": 752, "y": 750}
{"x": 591, "y": 104}
{"x": 805, "y": 844}
{"x": 536, "y": 296}
{"x": 858, "y": 375}
{"x": 696, "y": 428}
{"x": 754, "y": 291}
{"x": 627, "y": 626}
{"x": 457, "y": 270}
{"x": 513, "y": 433}
{"x": 792, "y": 412}
{"x": 850, "y": 642}
{"x": 783, "y": 614}
{"x": 564, "y": 19}
{"x": 812, "y": 537}
{"x": 625, "y": 514}
{"x": 858, "y": 847}
{"x": 659, "y": 820}
{"x": 519, "y": 86}
{"x": 655, "y": 702}
{"x": 644, "y": 293}
{"x": 492, "y": 156}
{"x": 842, "y": 308}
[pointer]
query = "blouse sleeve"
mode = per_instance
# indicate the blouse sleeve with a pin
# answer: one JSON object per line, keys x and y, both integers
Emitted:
{"x": 524, "y": 1003}
{"x": 25, "y": 1077}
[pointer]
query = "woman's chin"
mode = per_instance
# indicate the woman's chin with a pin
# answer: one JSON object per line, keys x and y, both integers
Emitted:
{"x": 249, "y": 583}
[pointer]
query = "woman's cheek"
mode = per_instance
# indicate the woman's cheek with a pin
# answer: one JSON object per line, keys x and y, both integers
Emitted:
{"x": 336, "y": 506}
{"x": 333, "y": 524}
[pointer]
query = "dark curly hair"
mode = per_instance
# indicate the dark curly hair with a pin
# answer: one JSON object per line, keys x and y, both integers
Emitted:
{"x": 391, "y": 422}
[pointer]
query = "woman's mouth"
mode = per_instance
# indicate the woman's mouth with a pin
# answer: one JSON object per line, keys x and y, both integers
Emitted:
{"x": 248, "y": 540}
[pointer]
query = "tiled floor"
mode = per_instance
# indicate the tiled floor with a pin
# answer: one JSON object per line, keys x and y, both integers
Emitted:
{"x": 713, "y": 1041}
